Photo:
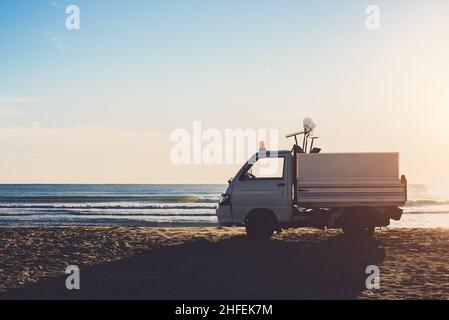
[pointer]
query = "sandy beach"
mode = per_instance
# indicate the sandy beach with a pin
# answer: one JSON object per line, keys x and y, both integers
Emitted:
{"x": 220, "y": 263}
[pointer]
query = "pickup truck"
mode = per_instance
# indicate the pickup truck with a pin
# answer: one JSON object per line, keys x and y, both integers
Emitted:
{"x": 277, "y": 190}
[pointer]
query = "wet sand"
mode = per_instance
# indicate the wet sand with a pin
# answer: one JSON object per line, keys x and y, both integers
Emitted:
{"x": 220, "y": 263}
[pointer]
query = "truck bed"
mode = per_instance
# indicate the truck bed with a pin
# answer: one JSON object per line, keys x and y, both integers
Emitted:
{"x": 349, "y": 180}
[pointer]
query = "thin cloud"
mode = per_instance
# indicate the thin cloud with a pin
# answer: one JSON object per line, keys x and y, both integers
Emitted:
{"x": 17, "y": 100}
{"x": 14, "y": 107}
{"x": 55, "y": 4}
{"x": 57, "y": 42}
{"x": 11, "y": 113}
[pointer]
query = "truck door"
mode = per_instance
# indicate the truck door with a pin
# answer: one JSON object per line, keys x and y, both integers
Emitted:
{"x": 263, "y": 184}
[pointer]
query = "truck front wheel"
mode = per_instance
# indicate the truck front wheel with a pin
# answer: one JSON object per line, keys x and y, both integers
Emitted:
{"x": 260, "y": 226}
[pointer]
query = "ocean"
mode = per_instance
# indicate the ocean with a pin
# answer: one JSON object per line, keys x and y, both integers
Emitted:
{"x": 152, "y": 205}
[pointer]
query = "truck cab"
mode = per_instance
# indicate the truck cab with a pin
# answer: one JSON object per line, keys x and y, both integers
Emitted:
{"x": 265, "y": 182}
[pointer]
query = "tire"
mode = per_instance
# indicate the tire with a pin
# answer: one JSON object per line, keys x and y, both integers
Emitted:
{"x": 260, "y": 226}
{"x": 359, "y": 232}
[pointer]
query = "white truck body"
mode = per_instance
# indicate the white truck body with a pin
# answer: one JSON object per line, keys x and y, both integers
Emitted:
{"x": 349, "y": 179}
{"x": 320, "y": 190}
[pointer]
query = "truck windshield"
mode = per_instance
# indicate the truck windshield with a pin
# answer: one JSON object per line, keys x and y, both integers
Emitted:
{"x": 266, "y": 168}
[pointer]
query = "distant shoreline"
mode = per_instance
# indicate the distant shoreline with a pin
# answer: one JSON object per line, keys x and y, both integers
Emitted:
{"x": 409, "y": 221}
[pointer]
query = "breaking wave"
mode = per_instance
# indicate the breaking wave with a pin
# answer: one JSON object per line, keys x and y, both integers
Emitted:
{"x": 96, "y": 199}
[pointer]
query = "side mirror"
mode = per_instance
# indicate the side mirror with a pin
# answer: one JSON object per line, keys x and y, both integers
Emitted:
{"x": 315, "y": 150}
{"x": 244, "y": 176}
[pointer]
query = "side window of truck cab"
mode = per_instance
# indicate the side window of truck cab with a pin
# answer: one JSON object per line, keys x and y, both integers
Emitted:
{"x": 266, "y": 168}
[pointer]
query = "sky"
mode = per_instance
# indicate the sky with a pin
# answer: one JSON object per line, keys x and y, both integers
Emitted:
{"x": 99, "y": 104}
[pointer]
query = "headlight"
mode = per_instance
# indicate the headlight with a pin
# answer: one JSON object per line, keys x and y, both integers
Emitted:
{"x": 225, "y": 200}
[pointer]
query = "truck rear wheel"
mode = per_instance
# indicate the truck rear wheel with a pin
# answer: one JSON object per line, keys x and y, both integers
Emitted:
{"x": 359, "y": 231}
{"x": 260, "y": 226}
